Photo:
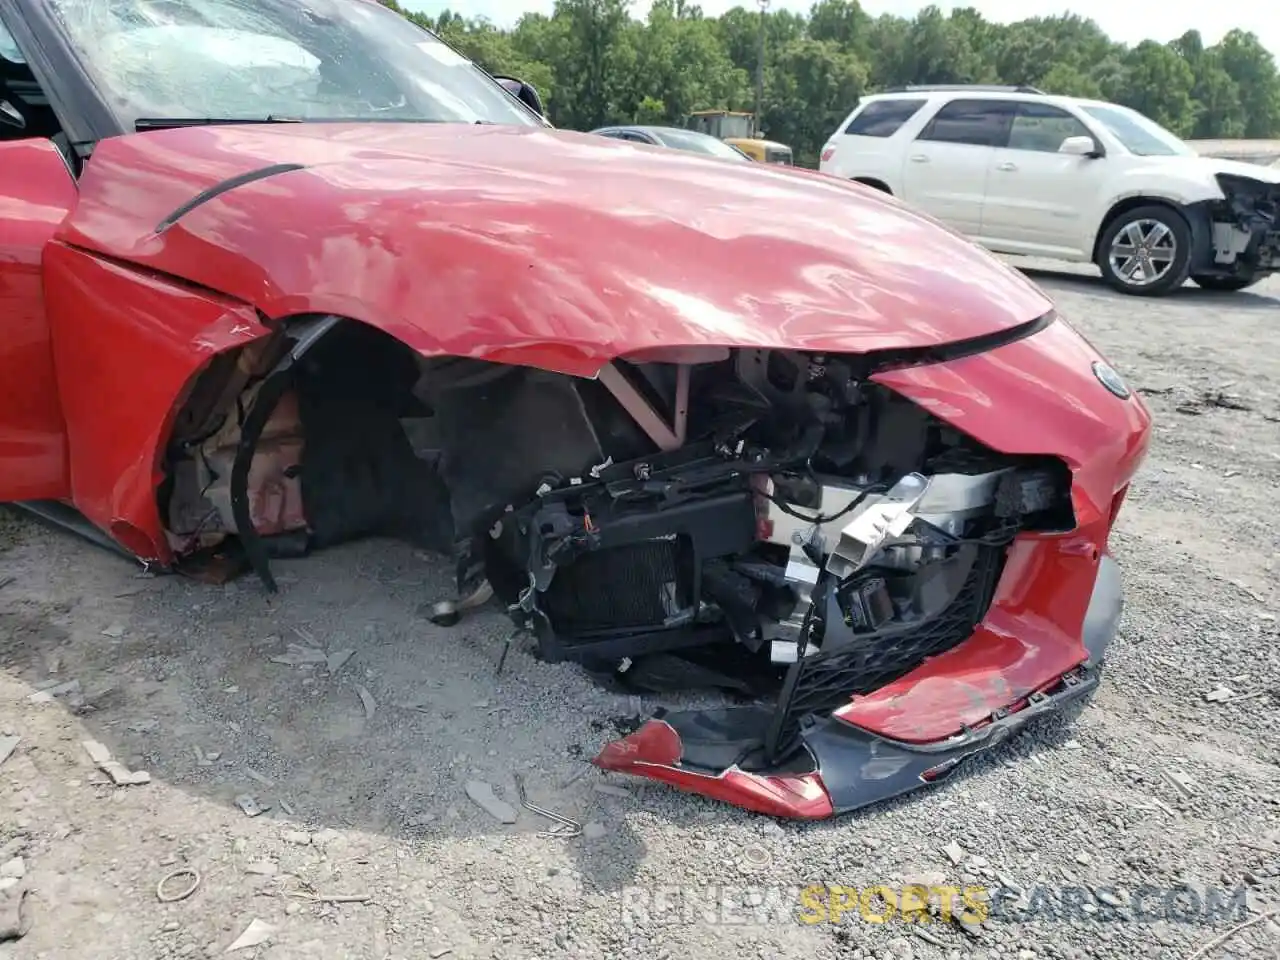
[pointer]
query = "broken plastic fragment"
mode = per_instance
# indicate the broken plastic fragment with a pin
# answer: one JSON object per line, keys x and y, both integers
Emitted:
{"x": 258, "y": 932}
{"x": 874, "y": 522}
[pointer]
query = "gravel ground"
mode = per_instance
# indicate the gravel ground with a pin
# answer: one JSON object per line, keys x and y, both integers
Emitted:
{"x": 363, "y": 770}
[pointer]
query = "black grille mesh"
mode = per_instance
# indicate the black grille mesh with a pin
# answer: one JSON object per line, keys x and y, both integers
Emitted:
{"x": 616, "y": 589}
{"x": 825, "y": 681}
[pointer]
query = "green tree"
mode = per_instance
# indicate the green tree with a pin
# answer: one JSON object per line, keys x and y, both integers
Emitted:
{"x": 1159, "y": 83}
{"x": 1246, "y": 61}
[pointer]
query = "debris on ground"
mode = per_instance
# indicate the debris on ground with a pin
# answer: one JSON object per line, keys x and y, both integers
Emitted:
{"x": 169, "y": 891}
{"x": 50, "y": 690}
{"x": 565, "y": 827}
{"x": 336, "y": 660}
{"x": 299, "y": 655}
{"x": 257, "y": 933}
{"x": 120, "y": 775}
{"x": 7, "y": 746}
{"x": 1183, "y": 783}
{"x": 366, "y": 700}
{"x": 115, "y": 631}
{"x": 15, "y": 920}
{"x": 482, "y": 795}
{"x": 612, "y": 790}
{"x": 1219, "y": 694}
{"x": 955, "y": 853}
{"x": 250, "y": 806}
{"x": 254, "y": 775}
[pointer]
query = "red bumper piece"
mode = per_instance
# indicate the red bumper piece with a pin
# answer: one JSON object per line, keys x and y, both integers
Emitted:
{"x": 654, "y": 751}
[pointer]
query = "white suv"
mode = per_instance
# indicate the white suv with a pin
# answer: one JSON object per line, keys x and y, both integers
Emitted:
{"x": 1023, "y": 172}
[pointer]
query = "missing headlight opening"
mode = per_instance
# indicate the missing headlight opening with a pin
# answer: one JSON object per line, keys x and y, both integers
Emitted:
{"x": 1246, "y": 225}
{"x": 763, "y": 522}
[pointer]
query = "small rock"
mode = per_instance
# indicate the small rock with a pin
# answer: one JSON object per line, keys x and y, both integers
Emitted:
{"x": 325, "y": 837}
{"x": 7, "y": 746}
{"x": 1219, "y": 693}
{"x": 437, "y": 952}
{"x": 293, "y": 908}
{"x": 1109, "y": 898}
{"x": 336, "y": 660}
{"x": 250, "y": 806}
{"x": 483, "y": 796}
{"x": 11, "y": 848}
{"x": 1184, "y": 784}
{"x": 171, "y": 927}
{"x": 954, "y": 852}
{"x": 15, "y": 920}
{"x": 16, "y": 868}
{"x": 594, "y": 830}
{"x": 298, "y": 656}
{"x": 1083, "y": 858}
{"x": 298, "y": 837}
{"x": 262, "y": 868}
{"x": 366, "y": 701}
{"x": 610, "y": 790}
{"x": 115, "y": 631}
{"x": 900, "y": 947}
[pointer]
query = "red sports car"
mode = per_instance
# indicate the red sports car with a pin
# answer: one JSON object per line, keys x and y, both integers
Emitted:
{"x": 278, "y": 274}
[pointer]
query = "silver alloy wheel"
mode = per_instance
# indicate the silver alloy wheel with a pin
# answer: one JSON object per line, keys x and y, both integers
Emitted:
{"x": 1142, "y": 252}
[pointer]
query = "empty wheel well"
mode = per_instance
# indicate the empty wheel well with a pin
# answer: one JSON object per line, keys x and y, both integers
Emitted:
{"x": 874, "y": 183}
{"x": 1132, "y": 203}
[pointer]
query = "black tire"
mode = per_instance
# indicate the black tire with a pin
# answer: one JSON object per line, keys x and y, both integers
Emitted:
{"x": 1226, "y": 284}
{"x": 1177, "y": 241}
{"x": 874, "y": 184}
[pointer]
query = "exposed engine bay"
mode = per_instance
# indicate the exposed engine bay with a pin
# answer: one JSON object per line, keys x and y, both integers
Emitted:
{"x": 1246, "y": 225}
{"x": 771, "y": 523}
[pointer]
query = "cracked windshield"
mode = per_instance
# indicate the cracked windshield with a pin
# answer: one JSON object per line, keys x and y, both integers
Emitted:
{"x": 278, "y": 59}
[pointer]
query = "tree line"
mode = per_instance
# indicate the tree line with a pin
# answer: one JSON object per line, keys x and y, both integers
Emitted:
{"x": 594, "y": 64}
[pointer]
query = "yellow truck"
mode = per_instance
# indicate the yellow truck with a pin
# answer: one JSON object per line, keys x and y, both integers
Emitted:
{"x": 739, "y": 130}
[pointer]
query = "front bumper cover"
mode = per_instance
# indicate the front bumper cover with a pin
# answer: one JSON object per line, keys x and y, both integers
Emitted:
{"x": 846, "y": 767}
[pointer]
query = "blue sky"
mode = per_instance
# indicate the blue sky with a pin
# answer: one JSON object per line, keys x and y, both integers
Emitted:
{"x": 1128, "y": 22}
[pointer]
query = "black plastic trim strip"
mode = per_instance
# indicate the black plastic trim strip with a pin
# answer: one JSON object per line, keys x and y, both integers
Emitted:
{"x": 958, "y": 349}
{"x": 231, "y": 183}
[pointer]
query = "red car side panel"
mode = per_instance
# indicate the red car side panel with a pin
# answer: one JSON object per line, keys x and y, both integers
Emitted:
{"x": 36, "y": 194}
{"x": 126, "y": 345}
{"x": 1035, "y": 396}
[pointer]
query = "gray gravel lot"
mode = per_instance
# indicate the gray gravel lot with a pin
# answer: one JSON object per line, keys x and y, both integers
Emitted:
{"x": 1153, "y": 786}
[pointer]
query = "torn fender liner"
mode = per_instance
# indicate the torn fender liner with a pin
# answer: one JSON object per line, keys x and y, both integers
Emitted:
{"x": 304, "y": 335}
{"x": 720, "y": 753}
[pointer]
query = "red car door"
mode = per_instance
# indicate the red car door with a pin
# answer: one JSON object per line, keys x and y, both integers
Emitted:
{"x": 36, "y": 194}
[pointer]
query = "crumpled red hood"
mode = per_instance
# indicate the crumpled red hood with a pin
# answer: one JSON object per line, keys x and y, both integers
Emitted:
{"x": 529, "y": 245}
